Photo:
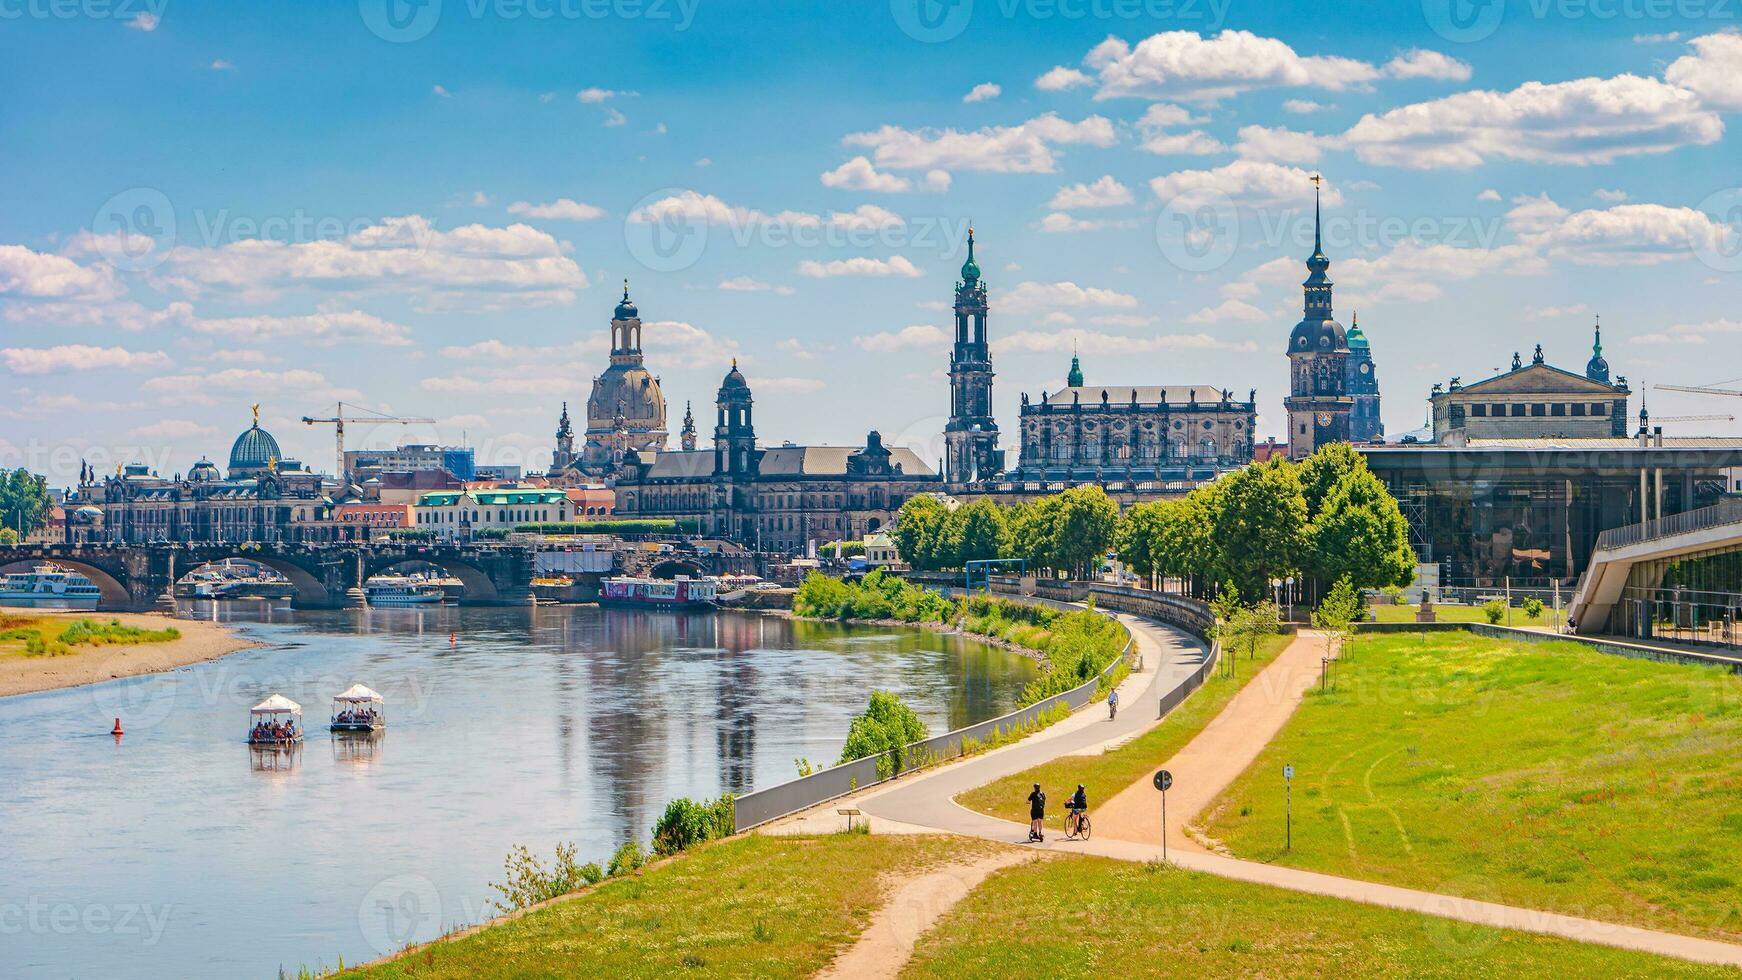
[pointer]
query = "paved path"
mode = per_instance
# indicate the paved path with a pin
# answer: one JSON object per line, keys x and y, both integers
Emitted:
{"x": 924, "y": 803}
{"x": 1212, "y": 760}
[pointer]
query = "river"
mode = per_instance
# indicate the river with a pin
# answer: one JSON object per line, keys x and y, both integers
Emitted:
{"x": 177, "y": 851}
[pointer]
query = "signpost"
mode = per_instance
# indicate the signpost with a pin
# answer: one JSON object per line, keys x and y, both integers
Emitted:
{"x": 1288, "y": 807}
{"x": 1163, "y": 780}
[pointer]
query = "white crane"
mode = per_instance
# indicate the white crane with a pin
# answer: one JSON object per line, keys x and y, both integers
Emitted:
{"x": 338, "y": 421}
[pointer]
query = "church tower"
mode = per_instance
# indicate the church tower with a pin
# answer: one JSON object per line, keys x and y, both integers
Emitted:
{"x": 687, "y": 438}
{"x": 1319, "y": 403}
{"x": 625, "y": 388}
{"x": 564, "y": 457}
{"x": 1597, "y": 369}
{"x": 971, "y": 436}
{"x": 735, "y": 452}
{"x": 1364, "y": 422}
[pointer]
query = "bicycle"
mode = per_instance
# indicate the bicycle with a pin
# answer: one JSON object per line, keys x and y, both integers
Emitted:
{"x": 1077, "y": 825}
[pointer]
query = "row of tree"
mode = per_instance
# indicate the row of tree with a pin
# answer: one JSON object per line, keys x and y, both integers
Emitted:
{"x": 24, "y": 504}
{"x": 1326, "y": 518}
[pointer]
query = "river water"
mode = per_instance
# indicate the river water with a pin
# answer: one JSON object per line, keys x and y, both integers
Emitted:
{"x": 178, "y": 851}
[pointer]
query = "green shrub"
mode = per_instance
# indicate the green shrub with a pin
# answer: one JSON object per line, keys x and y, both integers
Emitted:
{"x": 1533, "y": 607}
{"x": 687, "y": 823}
{"x": 630, "y": 857}
{"x": 530, "y": 882}
{"x": 591, "y": 873}
{"x": 877, "y": 596}
{"x": 885, "y": 729}
{"x": 1494, "y": 610}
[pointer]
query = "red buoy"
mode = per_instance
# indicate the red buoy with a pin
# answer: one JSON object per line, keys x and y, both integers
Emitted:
{"x": 116, "y": 731}
{"x": 453, "y": 638}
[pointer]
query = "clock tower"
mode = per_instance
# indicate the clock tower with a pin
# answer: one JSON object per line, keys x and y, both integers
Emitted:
{"x": 1319, "y": 403}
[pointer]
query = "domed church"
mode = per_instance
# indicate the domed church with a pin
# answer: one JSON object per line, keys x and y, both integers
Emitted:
{"x": 626, "y": 410}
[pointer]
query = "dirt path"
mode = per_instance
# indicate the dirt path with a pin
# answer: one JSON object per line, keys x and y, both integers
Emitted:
{"x": 200, "y": 640}
{"x": 1220, "y": 753}
{"x": 915, "y": 906}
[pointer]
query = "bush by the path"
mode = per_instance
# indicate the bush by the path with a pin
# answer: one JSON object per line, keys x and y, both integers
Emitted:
{"x": 884, "y": 730}
{"x": 687, "y": 823}
{"x": 877, "y": 596}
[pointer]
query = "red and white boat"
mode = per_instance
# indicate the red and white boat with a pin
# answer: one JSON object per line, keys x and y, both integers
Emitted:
{"x": 659, "y": 593}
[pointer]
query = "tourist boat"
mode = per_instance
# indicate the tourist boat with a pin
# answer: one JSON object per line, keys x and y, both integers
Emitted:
{"x": 358, "y": 709}
{"x": 49, "y": 588}
{"x": 402, "y": 592}
{"x": 276, "y": 721}
{"x": 659, "y": 593}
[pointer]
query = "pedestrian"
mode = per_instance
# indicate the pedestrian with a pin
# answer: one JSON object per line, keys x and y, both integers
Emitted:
{"x": 1036, "y": 814}
{"x": 1112, "y": 703}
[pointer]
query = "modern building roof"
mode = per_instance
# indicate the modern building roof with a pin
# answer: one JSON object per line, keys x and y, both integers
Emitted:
{"x": 493, "y": 498}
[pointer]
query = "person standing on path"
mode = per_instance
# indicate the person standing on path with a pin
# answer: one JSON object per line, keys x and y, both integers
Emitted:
{"x": 1112, "y": 704}
{"x": 1036, "y": 814}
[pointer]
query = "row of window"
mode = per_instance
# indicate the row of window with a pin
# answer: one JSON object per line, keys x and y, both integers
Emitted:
{"x": 1538, "y": 409}
{"x": 489, "y": 515}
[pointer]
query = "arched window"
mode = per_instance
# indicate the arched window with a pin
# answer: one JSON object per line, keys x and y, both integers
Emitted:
{"x": 1207, "y": 448}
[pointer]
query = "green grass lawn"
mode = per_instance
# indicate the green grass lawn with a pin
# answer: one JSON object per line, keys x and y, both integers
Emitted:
{"x": 38, "y": 636}
{"x": 748, "y": 906}
{"x": 1104, "y": 775}
{"x": 1093, "y": 917}
{"x": 1462, "y": 614}
{"x": 1540, "y": 775}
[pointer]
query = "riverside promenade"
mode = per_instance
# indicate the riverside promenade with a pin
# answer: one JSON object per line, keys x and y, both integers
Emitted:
{"x": 925, "y": 802}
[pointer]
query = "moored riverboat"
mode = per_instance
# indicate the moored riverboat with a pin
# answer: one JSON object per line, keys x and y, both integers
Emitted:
{"x": 658, "y": 593}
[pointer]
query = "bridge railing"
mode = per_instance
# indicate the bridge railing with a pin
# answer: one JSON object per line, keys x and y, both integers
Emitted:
{"x": 1717, "y": 515}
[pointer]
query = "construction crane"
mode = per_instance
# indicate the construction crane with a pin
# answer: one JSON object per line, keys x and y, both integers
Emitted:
{"x": 338, "y": 423}
{"x": 1693, "y": 418}
{"x": 1698, "y": 389}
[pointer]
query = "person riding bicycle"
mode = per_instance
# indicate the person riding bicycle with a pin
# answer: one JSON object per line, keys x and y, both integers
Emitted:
{"x": 1075, "y": 807}
{"x": 1036, "y": 814}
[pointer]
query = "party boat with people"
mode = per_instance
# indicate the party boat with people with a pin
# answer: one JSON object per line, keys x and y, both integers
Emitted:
{"x": 358, "y": 709}
{"x": 276, "y": 721}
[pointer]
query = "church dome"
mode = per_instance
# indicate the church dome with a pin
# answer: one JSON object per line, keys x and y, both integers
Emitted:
{"x": 630, "y": 390}
{"x": 733, "y": 387}
{"x": 254, "y": 449}
{"x": 626, "y": 309}
{"x": 1317, "y": 335}
{"x": 204, "y": 471}
{"x": 970, "y": 268}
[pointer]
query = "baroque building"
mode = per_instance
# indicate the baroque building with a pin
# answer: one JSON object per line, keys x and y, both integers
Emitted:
{"x": 1535, "y": 401}
{"x": 1365, "y": 424}
{"x": 971, "y": 435}
{"x": 1319, "y": 403}
{"x": 771, "y": 498}
{"x": 1133, "y": 433}
{"x": 626, "y": 410}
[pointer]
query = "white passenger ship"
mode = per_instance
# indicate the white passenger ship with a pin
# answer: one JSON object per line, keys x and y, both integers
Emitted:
{"x": 49, "y": 588}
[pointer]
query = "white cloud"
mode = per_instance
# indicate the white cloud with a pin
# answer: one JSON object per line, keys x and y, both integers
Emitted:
{"x": 561, "y": 209}
{"x": 1278, "y": 143}
{"x": 593, "y": 96}
{"x": 791, "y": 385}
{"x": 1301, "y": 107}
{"x": 480, "y": 199}
{"x": 866, "y": 217}
{"x": 1252, "y": 183}
{"x": 1059, "y": 222}
{"x": 1611, "y": 195}
{"x": 78, "y": 357}
{"x": 1030, "y": 297}
{"x": 1488, "y": 195}
{"x": 1229, "y": 310}
{"x": 251, "y": 381}
{"x": 1155, "y": 124}
{"x": 1583, "y": 121}
{"x": 145, "y": 21}
{"x": 917, "y": 336}
{"x": 1657, "y": 38}
{"x": 895, "y": 265}
{"x": 1420, "y": 63}
{"x": 1103, "y": 193}
{"x": 858, "y": 174}
{"x": 472, "y": 265}
{"x": 1060, "y": 78}
{"x": 315, "y": 329}
{"x": 1184, "y": 65}
{"x": 171, "y": 429}
{"x": 1713, "y": 71}
{"x": 937, "y": 180}
{"x": 1626, "y": 234}
{"x": 27, "y": 274}
{"x": 983, "y": 92}
{"x": 1555, "y": 312}
{"x": 1692, "y": 333}
{"x": 222, "y": 65}
{"x": 440, "y": 91}
{"x": 1023, "y": 148}
{"x": 744, "y": 284}
{"x": 614, "y": 118}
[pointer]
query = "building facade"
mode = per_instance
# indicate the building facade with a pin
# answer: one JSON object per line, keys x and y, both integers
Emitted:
{"x": 459, "y": 515}
{"x": 625, "y": 412}
{"x": 364, "y": 463}
{"x": 971, "y": 435}
{"x": 1534, "y": 400}
{"x": 776, "y": 499}
{"x": 1319, "y": 403}
{"x": 1365, "y": 425}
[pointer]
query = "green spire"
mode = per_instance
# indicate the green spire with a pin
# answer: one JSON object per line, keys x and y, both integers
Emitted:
{"x": 970, "y": 268}
{"x": 1075, "y": 378}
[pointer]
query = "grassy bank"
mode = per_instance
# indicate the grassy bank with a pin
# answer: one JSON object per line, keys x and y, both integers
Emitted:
{"x": 1541, "y": 775}
{"x": 1104, "y": 775}
{"x": 43, "y": 636}
{"x": 1093, "y": 917}
{"x": 749, "y": 906}
{"x": 1462, "y": 614}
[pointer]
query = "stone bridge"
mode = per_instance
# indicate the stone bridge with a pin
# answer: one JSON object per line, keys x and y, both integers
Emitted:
{"x": 138, "y": 576}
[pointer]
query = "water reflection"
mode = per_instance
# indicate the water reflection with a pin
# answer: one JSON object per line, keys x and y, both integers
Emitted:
{"x": 529, "y": 726}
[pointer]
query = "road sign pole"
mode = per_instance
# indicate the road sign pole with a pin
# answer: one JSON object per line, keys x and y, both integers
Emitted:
{"x": 1288, "y": 807}
{"x": 1164, "y": 826}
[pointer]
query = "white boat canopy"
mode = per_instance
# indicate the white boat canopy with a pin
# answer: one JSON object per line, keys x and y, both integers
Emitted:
{"x": 358, "y": 694}
{"x": 277, "y": 704}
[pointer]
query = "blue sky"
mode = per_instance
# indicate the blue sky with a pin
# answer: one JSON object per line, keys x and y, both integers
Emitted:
{"x": 429, "y": 209}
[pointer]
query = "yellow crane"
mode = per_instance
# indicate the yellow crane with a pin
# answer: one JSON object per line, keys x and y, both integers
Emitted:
{"x": 338, "y": 420}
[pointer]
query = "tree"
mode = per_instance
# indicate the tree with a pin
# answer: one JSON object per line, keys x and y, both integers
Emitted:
{"x": 8, "y": 536}
{"x": 1248, "y": 627}
{"x": 1136, "y": 535}
{"x": 919, "y": 528}
{"x": 886, "y": 728}
{"x": 1321, "y": 472}
{"x": 1085, "y": 531}
{"x": 1360, "y": 535}
{"x": 1336, "y": 615}
{"x": 23, "y": 501}
{"x": 1034, "y": 532}
{"x": 1259, "y": 525}
{"x": 977, "y": 532}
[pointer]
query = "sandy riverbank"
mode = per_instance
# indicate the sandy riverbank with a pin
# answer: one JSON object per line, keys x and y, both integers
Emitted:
{"x": 199, "y": 641}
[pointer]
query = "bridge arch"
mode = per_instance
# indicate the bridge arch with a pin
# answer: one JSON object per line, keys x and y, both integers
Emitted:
{"x": 115, "y": 595}
{"x": 479, "y": 588}
{"x": 674, "y": 567}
